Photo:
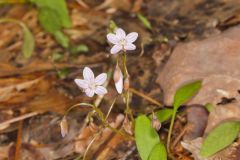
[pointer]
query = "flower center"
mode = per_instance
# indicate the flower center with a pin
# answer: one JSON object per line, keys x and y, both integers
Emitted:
{"x": 123, "y": 42}
{"x": 92, "y": 86}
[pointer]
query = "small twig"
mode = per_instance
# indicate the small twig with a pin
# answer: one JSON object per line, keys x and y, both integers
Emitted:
{"x": 25, "y": 116}
{"x": 145, "y": 97}
{"x": 110, "y": 109}
{"x": 19, "y": 142}
{"x": 80, "y": 2}
{"x": 179, "y": 137}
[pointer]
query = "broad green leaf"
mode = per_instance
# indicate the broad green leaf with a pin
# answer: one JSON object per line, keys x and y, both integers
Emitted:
{"x": 28, "y": 39}
{"x": 58, "y": 6}
{"x": 158, "y": 153}
{"x": 146, "y": 137}
{"x": 182, "y": 95}
{"x": 164, "y": 114}
{"x": 144, "y": 21}
{"x": 49, "y": 20}
{"x": 219, "y": 138}
{"x": 61, "y": 39}
{"x": 186, "y": 92}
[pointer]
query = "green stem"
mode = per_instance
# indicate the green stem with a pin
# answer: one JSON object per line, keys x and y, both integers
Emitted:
{"x": 170, "y": 130}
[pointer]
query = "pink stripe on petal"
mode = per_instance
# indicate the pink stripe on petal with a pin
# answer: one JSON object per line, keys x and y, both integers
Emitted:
{"x": 81, "y": 83}
{"x": 100, "y": 90}
{"x": 89, "y": 92}
{"x": 100, "y": 79}
{"x": 131, "y": 37}
{"x": 112, "y": 38}
{"x": 130, "y": 46}
{"x": 120, "y": 33}
{"x": 88, "y": 74}
{"x": 115, "y": 49}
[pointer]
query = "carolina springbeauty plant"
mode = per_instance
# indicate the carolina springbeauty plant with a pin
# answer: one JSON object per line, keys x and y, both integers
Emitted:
{"x": 91, "y": 85}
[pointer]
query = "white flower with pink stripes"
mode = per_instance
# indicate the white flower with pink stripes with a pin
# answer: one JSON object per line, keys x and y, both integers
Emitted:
{"x": 121, "y": 41}
{"x": 90, "y": 84}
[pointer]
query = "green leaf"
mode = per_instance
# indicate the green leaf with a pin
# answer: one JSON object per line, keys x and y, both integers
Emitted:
{"x": 144, "y": 21}
{"x": 63, "y": 73}
{"x": 219, "y": 138}
{"x": 209, "y": 107}
{"x": 186, "y": 92}
{"x": 158, "y": 152}
{"x": 164, "y": 114}
{"x": 28, "y": 42}
{"x": 49, "y": 20}
{"x": 182, "y": 95}
{"x": 61, "y": 39}
{"x": 28, "y": 39}
{"x": 146, "y": 136}
{"x": 79, "y": 49}
{"x": 57, "y": 56}
{"x": 58, "y": 6}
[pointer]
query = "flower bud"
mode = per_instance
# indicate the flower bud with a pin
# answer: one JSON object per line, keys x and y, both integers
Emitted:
{"x": 126, "y": 83}
{"x": 118, "y": 79}
{"x": 127, "y": 126}
{"x": 64, "y": 127}
{"x": 156, "y": 124}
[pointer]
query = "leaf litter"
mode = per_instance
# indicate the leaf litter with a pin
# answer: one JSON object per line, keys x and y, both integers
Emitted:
{"x": 32, "y": 86}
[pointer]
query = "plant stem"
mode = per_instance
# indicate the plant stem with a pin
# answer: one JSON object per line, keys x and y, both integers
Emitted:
{"x": 170, "y": 130}
{"x": 128, "y": 110}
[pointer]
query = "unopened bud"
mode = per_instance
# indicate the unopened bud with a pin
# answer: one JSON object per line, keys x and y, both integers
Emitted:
{"x": 126, "y": 83}
{"x": 117, "y": 74}
{"x": 156, "y": 124}
{"x": 64, "y": 127}
{"x": 118, "y": 79}
{"x": 127, "y": 126}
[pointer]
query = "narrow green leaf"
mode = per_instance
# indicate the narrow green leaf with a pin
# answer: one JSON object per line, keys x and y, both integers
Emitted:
{"x": 60, "y": 8}
{"x": 144, "y": 21}
{"x": 146, "y": 136}
{"x": 186, "y": 92}
{"x": 219, "y": 138}
{"x": 158, "y": 153}
{"x": 164, "y": 114}
{"x": 28, "y": 39}
{"x": 82, "y": 48}
{"x": 49, "y": 20}
{"x": 61, "y": 39}
{"x": 28, "y": 42}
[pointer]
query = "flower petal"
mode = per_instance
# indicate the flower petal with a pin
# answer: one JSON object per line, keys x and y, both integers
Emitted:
{"x": 81, "y": 83}
{"x": 120, "y": 33}
{"x": 115, "y": 49}
{"x": 100, "y": 79}
{"x": 89, "y": 92}
{"x": 119, "y": 85}
{"x": 129, "y": 46}
{"x": 88, "y": 74}
{"x": 112, "y": 38}
{"x": 131, "y": 37}
{"x": 100, "y": 90}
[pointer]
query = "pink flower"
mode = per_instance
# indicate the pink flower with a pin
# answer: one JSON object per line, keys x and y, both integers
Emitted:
{"x": 90, "y": 84}
{"x": 122, "y": 41}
